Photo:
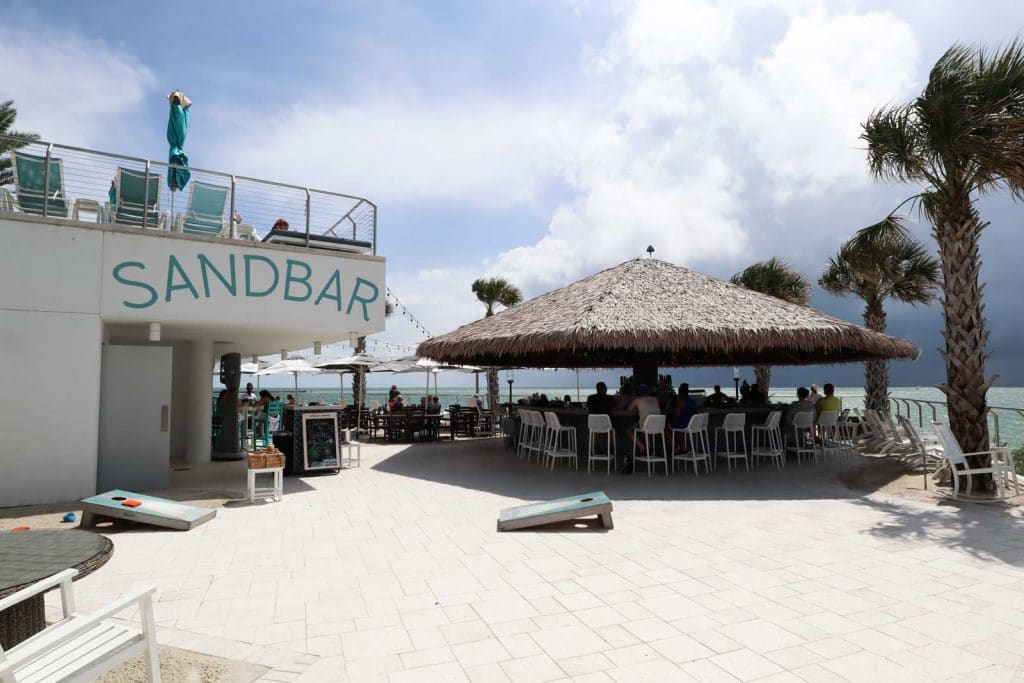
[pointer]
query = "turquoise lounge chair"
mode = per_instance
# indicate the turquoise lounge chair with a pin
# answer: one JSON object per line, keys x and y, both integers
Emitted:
{"x": 133, "y": 199}
{"x": 205, "y": 214}
{"x": 29, "y": 177}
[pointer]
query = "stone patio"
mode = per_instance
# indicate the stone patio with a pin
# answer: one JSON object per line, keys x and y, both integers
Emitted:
{"x": 394, "y": 572}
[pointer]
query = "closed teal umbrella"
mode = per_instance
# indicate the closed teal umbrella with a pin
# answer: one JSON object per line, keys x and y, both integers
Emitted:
{"x": 177, "y": 128}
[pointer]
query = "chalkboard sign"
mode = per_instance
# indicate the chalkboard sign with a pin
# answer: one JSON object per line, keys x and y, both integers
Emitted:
{"x": 320, "y": 441}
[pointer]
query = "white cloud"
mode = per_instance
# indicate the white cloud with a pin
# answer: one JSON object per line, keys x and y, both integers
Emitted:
{"x": 473, "y": 150}
{"x": 68, "y": 88}
{"x": 800, "y": 108}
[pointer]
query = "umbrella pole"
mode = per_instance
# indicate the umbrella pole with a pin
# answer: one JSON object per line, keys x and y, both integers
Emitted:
{"x": 341, "y": 393}
{"x": 296, "y": 376}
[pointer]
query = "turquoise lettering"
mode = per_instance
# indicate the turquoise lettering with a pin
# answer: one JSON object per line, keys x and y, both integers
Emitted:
{"x": 205, "y": 264}
{"x": 249, "y": 258}
{"x": 290, "y": 278}
{"x": 334, "y": 280}
{"x": 174, "y": 267}
{"x": 153, "y": 296}
{"x": 355, "y": 297}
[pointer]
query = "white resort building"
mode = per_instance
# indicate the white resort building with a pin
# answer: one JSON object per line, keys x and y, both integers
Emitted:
{"x": 118, "y": 296}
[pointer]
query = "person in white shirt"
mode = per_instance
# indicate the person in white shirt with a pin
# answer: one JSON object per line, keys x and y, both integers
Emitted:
{"x": 813, "y": 398}
{"x": 643, "y": 405}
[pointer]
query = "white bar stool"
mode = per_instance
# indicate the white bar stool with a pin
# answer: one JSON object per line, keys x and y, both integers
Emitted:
{"x": 735, "y": 440}
{"x": 601, "y": 425}
{"x": 695, "y": 435}
{"x": 766, "y": 440}
{"x": 554, "y": 449}
{"x": 828, "y": 434}
{"x": 274, "y": 491}
{"x": 803, "y": 436}
{"x": 652, "y": 429}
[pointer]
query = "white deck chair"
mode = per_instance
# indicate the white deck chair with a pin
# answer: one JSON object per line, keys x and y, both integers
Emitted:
{"x": 1000, "y": 467}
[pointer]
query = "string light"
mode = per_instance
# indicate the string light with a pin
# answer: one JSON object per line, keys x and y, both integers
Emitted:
{"x": 407, "y": 314}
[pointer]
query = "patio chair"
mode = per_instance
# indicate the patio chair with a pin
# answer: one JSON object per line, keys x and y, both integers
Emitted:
{"x": 766, "y": 440}
{"x": 137, "y": 199}
{"x": 652, "y": 430}
{"x": 600, "y": 425}
{"x": 923, "y": 448}
{"x": 205, "y": 213}
{"x": 29, "y": 178}
{"x": 81, "y": 647}
{"x": 554, "y": 449}
{"x": 1000, "y": 467}
{"x": 695, "y": 436}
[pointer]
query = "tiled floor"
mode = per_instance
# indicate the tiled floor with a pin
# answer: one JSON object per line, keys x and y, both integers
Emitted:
{"x": 394, "y": 572}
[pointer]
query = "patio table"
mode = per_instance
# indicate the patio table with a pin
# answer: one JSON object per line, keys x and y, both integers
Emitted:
{"x": 29, "y": 556}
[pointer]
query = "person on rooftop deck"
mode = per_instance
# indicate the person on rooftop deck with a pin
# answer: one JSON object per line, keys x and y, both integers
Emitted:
{"x": 829, "y": 401}
{"x": 280, "y": 224}
{"x": 600, "y": 403}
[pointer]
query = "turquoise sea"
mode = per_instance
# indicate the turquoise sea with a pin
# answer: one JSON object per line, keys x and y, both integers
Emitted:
{"x": 1009, "y": 400}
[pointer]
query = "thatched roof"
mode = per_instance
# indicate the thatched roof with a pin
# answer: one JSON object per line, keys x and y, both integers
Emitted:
{"x": 645, "y": 311}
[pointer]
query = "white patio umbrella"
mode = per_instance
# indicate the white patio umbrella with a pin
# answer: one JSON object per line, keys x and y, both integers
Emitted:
{"x": 347, "y": 364}
{"x": 296, "y": 366}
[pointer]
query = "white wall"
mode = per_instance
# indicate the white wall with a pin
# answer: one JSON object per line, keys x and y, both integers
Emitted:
{"x": 49, "y": 406}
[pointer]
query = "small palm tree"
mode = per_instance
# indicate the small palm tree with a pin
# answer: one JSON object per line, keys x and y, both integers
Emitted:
{"x": 776, "y": 278}
{"x": 875, "y": 265}
{"x": 10, "y": 140}
{"x": 962, "y": 137}
{"x": 491, "y": 292}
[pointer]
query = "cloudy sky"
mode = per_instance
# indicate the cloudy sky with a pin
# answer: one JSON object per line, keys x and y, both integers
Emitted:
{"x": 540, "y": 141}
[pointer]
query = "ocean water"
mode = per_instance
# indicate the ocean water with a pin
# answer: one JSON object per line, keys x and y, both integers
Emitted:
{"x": 1009, "y": 401}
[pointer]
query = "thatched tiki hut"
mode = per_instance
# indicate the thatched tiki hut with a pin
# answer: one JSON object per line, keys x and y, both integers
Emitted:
{"x": 647, "y": 313}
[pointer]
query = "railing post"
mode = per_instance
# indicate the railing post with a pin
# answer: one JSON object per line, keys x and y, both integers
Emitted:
{"x": 308, "y": 201}
{"x": 374, "y": 229}
{"x": 145, "y": 199}
{"x": 995, "y": 419}
{"x": 46, "y": 181}
{"x": 231, "y": 214}
{"x": 920, "y": 415}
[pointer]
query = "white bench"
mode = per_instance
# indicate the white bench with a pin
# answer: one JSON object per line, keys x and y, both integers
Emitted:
{"x": 80, "y": 647}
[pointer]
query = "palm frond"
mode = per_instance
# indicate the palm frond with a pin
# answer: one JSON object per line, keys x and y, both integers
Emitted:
{"x": 893, "y": 139}
{"x": 776, "y": 278}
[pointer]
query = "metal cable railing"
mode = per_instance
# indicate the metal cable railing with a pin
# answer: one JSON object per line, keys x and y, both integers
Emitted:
{"x": 83, "y": 184}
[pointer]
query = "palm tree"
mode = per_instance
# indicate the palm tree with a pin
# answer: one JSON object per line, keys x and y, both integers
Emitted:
{"x": 773, "y": 277}
{"x": 961, "y": 138}
{"x": 10, "y": 140}
{"x": 876, "y": 265}
{"x": 490, "y": 292}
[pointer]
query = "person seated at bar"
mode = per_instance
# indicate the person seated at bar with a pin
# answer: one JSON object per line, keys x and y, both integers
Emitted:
{"x": 757, "y": 396}
{"x": 717, "y": 399}
{"x": 249, "y": 396}
{"x": 263, "y": 401}
{"x": 745, "y": 395}
{"x": 685, "y": 408}
{"x": 543, "y": 401}
{"x": 291, "y": 399}
{"x": 392, "y": 393}
{"x": 815, "y": 396}
{"x": 801, "y": 404}
{"x": 567, "y": 400}
{"x": 829, "y": 401}
{"x": 600, "y": 403}
{"x": 643, "y": 405}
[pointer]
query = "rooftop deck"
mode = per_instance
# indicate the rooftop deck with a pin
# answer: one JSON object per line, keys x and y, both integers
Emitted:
{"x": 110, "y": 188}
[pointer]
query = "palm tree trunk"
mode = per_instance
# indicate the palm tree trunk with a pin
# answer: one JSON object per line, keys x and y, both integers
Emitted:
{"x": 763, "y": 377}
{"x": 957, "y": 230}
{"x": 876, "y": 372}
{"x": 359, "y": 378}
{"x": 493, "y": 389}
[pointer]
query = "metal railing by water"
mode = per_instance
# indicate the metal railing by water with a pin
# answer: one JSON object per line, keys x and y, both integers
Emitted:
{"x": 86, "y": 177}
{"x": 916, "y": 407}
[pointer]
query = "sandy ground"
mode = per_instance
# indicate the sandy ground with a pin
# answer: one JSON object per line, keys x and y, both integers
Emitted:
{"x": 184, "y": 666}
{"x": 49, "y": 516}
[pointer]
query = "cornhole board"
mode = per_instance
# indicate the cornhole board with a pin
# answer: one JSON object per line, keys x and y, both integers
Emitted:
{"x": 557, "y": 510}
{"x": 155, "y": 511}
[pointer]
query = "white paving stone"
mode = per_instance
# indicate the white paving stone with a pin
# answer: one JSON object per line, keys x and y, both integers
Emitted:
{"x": 394, "y": 571}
